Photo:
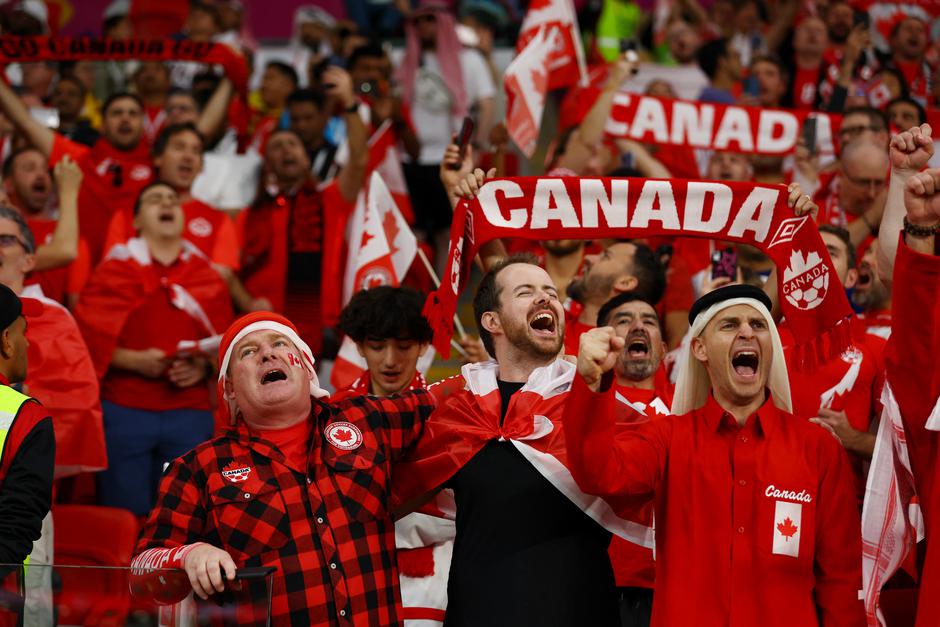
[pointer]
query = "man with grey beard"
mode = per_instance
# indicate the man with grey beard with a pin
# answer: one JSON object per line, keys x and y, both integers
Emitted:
{"x": 645, "y": 393}
{"x": 872, "y": 296}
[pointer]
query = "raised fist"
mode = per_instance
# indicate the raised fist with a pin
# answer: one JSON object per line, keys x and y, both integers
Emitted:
{"x": 911, "y": 150}
{"x": 922, "y": 198}
{"x": 597, "y": 354}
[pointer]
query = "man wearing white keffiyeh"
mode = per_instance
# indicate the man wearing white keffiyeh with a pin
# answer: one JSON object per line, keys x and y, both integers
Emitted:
{"x": 754, "y": 506}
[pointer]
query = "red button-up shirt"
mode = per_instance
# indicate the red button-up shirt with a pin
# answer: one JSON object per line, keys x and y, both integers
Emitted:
{"x": 326, "y": 527}
{"x": 755, "y": 525}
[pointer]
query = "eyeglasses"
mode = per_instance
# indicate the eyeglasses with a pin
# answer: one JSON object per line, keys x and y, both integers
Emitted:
{"x": 853, "y": 131}
{"x": 8, "y": 239}
{"x": 861, "y": 182}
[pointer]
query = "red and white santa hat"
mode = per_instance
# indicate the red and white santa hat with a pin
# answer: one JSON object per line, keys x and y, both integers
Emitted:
{"x": 261, "y": 321}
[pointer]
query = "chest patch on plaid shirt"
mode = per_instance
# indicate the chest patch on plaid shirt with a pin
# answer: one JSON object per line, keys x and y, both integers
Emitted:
{"x": 236, "y": 472}
{"x": 343, "y": 435}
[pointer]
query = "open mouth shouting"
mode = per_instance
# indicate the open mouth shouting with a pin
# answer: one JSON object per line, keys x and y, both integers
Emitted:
{"x": 273, "y": 375}
{"x": 745, "y": 362}
{"x": 637, "y": 346}
{"x": 543, "y": 323}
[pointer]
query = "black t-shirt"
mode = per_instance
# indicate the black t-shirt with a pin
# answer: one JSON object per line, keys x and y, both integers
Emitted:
{"x": 525, "y": 555}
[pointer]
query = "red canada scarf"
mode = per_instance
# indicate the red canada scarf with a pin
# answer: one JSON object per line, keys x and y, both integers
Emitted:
{"x": 470, "y": 418}
{"x": 541, "y": 208}
{"x": 664, "y": 121}
{"x": 27, "y": 49}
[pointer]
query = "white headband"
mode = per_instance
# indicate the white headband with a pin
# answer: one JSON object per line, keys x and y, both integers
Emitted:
{"x": 269, "y": 325}
{"x": 693, "y": 384}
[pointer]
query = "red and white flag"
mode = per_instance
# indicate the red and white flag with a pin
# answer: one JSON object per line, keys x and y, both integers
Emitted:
{"x": 385, "y": 159}
{"x": 526, "y": 83}
{"x": 381, "y": 249}
{"x": 565, "y": 62}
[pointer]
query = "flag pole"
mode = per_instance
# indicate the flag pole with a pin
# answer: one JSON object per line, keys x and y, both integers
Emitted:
{"x": 437, "y": 283}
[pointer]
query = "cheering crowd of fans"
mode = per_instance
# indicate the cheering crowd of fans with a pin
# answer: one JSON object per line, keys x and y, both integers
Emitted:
{"x": 149, "y": 204}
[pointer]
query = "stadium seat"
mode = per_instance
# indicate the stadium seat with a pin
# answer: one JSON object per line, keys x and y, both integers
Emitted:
{"x": 90, "y": 535}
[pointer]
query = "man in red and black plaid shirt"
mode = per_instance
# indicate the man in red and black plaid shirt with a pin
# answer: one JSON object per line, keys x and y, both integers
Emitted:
{"x": 297, "y": 484}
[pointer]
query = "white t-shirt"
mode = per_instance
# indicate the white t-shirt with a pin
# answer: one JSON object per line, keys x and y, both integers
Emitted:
{"x": 431, "y": 110}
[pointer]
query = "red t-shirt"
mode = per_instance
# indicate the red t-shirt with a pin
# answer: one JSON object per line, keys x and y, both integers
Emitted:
{"x": 59, "y": 283}
{"x": 211, "y": 230}
{"x": 155, "y": 324}
{"x": 113, "y": 179}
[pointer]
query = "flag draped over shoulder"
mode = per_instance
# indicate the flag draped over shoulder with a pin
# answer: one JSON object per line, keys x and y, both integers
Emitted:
{"x": 62, "y": 378}
{"x": 594, "y": 208}
{"x": 124, "y": 281}
{"x": 470, "y": 418}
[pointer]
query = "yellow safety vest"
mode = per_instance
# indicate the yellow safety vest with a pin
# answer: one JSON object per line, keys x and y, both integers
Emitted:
{"x": 10, "y": 403}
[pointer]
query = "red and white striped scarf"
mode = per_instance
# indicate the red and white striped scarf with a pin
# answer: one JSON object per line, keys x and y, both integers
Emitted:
{"x": 891, "y": 517}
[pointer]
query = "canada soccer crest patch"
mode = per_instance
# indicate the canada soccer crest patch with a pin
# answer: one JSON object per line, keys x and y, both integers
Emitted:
{"x": 805, "y": 280}
{"x": 236, "y": 472}
{"x": 343, "y": 435}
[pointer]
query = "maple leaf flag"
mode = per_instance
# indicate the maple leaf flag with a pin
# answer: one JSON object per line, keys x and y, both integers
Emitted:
{"x": 787, "y": 517}
{"x": 526, "y": 83}
{"x": 565, "y": 61}
{"x": 381, "y": 249}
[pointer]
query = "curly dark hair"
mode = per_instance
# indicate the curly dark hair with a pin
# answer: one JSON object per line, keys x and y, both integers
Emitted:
{"x": 386, "y": 312}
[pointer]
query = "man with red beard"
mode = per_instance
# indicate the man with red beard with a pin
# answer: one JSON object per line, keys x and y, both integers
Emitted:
{"x": 531, "y": 548}
{"x": 145, "y": 304}
{"x": 116, "y": 168}
{"x": 644, "y": 393}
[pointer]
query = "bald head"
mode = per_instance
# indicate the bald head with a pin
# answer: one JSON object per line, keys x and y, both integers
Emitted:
{"x": 864, "y": 170}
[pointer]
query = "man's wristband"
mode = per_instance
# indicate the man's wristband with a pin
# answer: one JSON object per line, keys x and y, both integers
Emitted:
{"x": 920, "y": 231}
{"x": 353, "y": 108}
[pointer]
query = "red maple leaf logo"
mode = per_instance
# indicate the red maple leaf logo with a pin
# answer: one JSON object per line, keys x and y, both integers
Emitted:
{"x": 343, "y": 435}
{"x": 390, "y": 226}
{"x": 787, "y": 529}
{"x": 366, "y": 236}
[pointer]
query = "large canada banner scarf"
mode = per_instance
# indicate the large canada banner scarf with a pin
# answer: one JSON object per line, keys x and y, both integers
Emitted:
{"x": 28, "y": 49}
{"x": 541, "y": 208}
{"x": 711, "y": 126}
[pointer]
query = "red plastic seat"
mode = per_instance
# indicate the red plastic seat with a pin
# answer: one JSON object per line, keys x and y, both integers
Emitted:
{"x": 91, "y": 535}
